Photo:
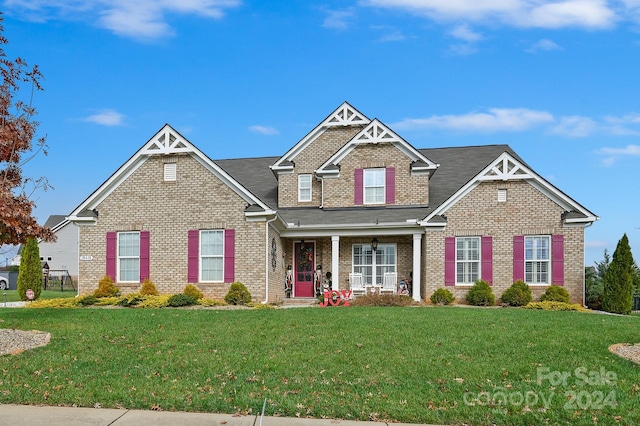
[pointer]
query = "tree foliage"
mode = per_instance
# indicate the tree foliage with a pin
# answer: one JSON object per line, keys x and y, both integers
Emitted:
{"x": 17, "y": 132}
{"x": 30, "y": 275}
{"x": 594, "y": 281}
{"x": 618, "y": 281}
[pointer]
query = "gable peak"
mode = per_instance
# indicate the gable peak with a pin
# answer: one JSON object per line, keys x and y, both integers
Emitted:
{"x": 167, "y": 141}
{"x": 346, "y": 115}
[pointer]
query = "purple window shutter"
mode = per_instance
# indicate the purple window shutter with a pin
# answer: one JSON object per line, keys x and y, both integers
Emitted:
{"x": 518, "y": 257}
{"x": 390, "y": 188}
{"x": 112, "y": 239}
{"x": 450, "y": 261}
{"x": 144, "y": 255}
{"x": 229, "y": 255}
{"x": 557, "y": 258}
{"x": 193, "y": 249}
{"x": 487, "y": 259}
{"x": 358, "y": 187}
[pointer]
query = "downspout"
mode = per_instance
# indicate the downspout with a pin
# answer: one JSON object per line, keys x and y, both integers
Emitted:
{"x": 266, "y": 259}
{"x": 321, "y": 191}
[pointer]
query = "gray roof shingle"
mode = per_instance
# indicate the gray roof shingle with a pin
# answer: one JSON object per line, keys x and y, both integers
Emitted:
{"x": 458, "y": 166}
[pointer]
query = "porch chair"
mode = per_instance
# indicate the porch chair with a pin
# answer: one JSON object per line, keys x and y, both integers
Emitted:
{"x": 356, "y": 284}
{"x": 389, "y": 283}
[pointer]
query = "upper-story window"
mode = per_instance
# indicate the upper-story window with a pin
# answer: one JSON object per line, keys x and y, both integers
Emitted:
{"x": 374, "y": 186}
{"x": 537, "y": 259}
{"x": 304, "y": 187}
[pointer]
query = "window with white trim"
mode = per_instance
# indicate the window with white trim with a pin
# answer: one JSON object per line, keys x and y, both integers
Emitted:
{"x": 211, "y": 255}
{"x": 537, "y": 259}
{"x": 128, "y": 257}
{"x": 373, "y": 265}
{"x": 374, "y": 186}
{"x": 304, "y": 188}
{"x": 467, "y": 260}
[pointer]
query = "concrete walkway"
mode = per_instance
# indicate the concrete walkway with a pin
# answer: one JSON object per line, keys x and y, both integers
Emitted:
{"x": 31, "y": 415}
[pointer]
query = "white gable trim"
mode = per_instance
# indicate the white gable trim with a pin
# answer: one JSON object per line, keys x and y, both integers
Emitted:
{"x": 344, "y": 115}
{"x": 376, "y": 132}
{"x": 505, "y": 168}
{"x": 166, "y": 142}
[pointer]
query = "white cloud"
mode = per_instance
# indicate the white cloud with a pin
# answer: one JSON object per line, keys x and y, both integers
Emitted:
{"x": 611, "y": 155}
{"x": 463, "y": 32}
{"x": 140, "y": 19}
{"x": 107, "y": 117}
{"x": 591, "y": 14}
{"x": 263, "y": 130}
{"x": 494, "y": 120}
{"x": 596, "y": 244}
{"x": 575, "y": 126}
{"x": 543, "y": 45}
{"x": 389, "y": 33}
{"x": 338, "y": 19}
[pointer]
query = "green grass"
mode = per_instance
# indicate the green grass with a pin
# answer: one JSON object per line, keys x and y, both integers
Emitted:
{"x": 443, "y": 365}
{"x": 12, "y": 295}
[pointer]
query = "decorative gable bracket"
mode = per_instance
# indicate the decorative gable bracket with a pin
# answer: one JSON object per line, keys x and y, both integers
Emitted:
{"x": 506, "y": 169}
{"x": 166, "y": 142}
{"x": 346, "y": 115}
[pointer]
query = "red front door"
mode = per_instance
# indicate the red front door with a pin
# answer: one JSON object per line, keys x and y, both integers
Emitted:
{"x": 304, "y": 268}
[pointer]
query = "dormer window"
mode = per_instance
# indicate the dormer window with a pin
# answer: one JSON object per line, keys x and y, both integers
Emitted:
{"x": 374, "y": 186}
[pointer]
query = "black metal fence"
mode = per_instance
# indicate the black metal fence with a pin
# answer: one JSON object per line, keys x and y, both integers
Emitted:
{"x": 636, "y": 302}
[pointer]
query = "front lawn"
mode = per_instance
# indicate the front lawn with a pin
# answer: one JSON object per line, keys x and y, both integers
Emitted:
{"x": 443, "y": 365}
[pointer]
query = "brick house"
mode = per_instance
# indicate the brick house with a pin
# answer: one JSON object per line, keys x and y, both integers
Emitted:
{"x": 352, "y": 198}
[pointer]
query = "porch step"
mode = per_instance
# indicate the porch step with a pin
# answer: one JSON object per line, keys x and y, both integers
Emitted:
{"x": 299, "y": 301}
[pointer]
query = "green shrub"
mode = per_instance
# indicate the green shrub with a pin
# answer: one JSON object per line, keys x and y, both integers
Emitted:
{"x": 555, "y": 293}
{"x": 132, "y": 299}
{"x": 65, "y": 302}
{"x": 556, "y": 306}
{"x": 442, "y": 296}
{"x": 87, "y": 300}
{"x": 377, "y": 299}
{"x": 210, "y": 302}
{"x": 238, "y": 294}
{"x": 178, "y": 300}
{"x": 193, "y": 291}
{"x": 107, "y": 301}
{"x": 480, "y": 294}
{"x": 519, "y": 294}
{"x": 106, "y": 288}
{"x": 148, "y": 288}
{"x": 161, "y": 301}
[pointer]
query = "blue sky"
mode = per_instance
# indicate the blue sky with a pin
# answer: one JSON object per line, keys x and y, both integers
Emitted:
{"x": 557, "y": 81}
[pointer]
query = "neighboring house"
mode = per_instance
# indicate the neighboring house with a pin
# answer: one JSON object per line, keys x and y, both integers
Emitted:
{"x": 352, "y": 198}
{"x": 61, "y": 255}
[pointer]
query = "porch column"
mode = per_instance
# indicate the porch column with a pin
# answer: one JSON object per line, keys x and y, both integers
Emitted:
{"x": 417, "y": 256}
{"x": 335, "y": 261}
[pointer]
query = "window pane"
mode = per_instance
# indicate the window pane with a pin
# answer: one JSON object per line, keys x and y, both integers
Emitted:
{"x": 128, "y": 244}
{"x": 129, "y": 269}
{"x": 374, "y": 186}
{"x": 212, "y": 269}
{"x": 211, "y": 243}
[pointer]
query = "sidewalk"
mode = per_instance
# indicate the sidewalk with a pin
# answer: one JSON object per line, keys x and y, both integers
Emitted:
{"x": 31, "y": 415}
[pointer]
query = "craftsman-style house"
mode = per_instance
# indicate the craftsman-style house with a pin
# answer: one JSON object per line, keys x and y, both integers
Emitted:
{"x": 352, "y": 203}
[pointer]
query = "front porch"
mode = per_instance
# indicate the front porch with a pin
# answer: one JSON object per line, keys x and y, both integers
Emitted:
{"x": 361, "y": 263}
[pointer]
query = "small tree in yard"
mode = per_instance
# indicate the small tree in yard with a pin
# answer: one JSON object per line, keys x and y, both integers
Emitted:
{"x": 30, "y": 275}
{"x": 618, "y": 281}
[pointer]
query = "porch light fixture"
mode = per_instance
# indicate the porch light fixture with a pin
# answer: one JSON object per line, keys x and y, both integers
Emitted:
{"x": 374, "y": 244}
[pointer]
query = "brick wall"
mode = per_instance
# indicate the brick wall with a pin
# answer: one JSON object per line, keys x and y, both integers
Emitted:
{"x": 314, "y": 155}
{"x": 196, "y": 200}
{"x": 526, "y": 212}
{"x": 409, "y": 189}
